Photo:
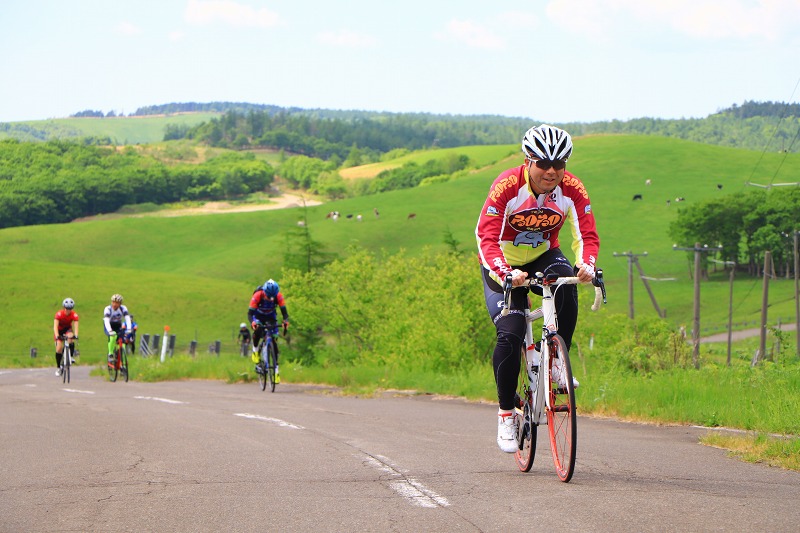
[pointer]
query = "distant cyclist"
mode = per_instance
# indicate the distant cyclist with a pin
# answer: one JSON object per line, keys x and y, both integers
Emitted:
{"x": 517, "y": 234}
{"x": 114, "y": 316}
{"x": 65, "y": 323}
{"x": 262, "y": 310}
{"x": 244, "y": 335}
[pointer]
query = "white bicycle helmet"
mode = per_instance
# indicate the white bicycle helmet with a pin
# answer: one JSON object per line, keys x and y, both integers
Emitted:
{"x": 242, "y": 325}
{"x": 547, "y": 142}
{"x": 68, "y": 303}
{"x": 116, "y": 298}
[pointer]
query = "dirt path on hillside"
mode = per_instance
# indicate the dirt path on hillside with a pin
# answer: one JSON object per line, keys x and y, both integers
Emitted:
{"x": 214, "y": 208}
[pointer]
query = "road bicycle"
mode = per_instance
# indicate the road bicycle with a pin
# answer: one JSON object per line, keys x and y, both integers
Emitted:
{"x": 545, "y": 389}
{"x": 269, "y": 357}
{"x": 119, "y": 364}
{"x": 66, "y": 358}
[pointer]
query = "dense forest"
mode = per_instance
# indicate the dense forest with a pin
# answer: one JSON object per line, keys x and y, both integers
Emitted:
{"x": 59, "y": 181}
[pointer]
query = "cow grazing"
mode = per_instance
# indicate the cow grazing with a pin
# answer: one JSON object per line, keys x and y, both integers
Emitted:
{"x": 637, "y": 196}
{"x": 411, "y": 215}
{"x": 680, "y": 199}
{"x": 647, "y": 181}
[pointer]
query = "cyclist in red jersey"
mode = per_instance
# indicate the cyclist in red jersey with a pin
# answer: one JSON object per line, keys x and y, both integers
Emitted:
{"x": 517, "y": 234}
{"x": 65, "y": 323}
{"x": 263, "y": 304}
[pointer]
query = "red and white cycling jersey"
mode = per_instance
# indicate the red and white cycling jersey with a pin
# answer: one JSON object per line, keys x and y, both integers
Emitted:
{"x": 516, "y": 227}
{"x": 65, "y": 319}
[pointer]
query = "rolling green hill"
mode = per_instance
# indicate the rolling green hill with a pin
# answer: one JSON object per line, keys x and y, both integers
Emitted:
{"x": 196, "y": 273}
{"x": 121, "y": 130}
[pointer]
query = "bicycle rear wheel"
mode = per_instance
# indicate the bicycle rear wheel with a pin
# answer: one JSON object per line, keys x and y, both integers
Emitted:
{"x": 270, "y": 370}
{"x": 526, "y": 430}
{"x": 113, "y": 367}
{"x": 562, "y": 417}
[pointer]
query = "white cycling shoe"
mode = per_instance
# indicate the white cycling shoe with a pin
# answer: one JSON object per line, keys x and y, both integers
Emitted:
{"x": 507, "y": 432}
{"x": 559, "y": 377}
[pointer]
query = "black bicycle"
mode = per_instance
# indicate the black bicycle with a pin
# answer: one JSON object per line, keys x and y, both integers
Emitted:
{"x": 66, "y": 358}
{"x": 269, "y": 358}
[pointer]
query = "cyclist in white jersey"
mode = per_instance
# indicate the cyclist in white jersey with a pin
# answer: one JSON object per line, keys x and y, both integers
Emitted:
{"x": 113, "y": 317}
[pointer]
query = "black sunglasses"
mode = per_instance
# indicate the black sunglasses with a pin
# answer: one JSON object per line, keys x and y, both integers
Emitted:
{"x": 545, "y": 164}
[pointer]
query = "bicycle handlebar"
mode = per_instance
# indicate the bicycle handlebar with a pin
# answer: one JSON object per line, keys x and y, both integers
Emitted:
{"x": 540, "y": 280}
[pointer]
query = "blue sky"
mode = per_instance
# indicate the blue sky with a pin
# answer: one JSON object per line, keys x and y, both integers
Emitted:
{"x": 550, "y": 60}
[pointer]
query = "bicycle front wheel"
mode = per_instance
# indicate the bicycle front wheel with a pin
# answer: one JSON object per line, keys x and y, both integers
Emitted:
{"x": 270, "y": 370}
{"x": 113, "y": 367}
{"x": 65, "y": 364}
{"x": 262, "y": 376}
{"x": 124, "y": 364}
{"x": 526, "y": 430}
{"x": 561, "y": 416}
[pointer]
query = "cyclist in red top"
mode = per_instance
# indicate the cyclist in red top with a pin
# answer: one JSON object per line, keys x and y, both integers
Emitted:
{"x": 517, "y": 234}
{"x": 65, "y": 324}
{"x": 263, "y": 305}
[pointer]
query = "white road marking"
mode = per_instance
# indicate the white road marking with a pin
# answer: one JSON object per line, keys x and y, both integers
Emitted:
{"x": 412, "y": 490}
{"x": 80, "y": 391}
{"x": 165, "y": 400}
{"x": 278, "y": 421}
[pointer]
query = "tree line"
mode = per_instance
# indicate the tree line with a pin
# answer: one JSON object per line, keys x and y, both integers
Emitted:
{"x": 745, "y": 226}
{"x": 324, "y": 138}
{"x": 324, "y": 134}
{"x": 59, "y": 181}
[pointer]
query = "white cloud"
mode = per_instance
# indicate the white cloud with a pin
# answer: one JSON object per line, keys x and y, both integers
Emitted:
{"x": 702, "y": 19}
{"x": 176, "y": 35}
{"x": 518, "y": 19}
{"x": 346, "y": 38}
{"x": 126, "y": 28}
{"x": 472, "y": 34}
{"x": 203, "y": 12}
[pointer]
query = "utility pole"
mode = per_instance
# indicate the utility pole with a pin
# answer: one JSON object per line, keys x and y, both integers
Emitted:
{"x": 633, "y": 260}
{"x": 762, "y": 345}
{"x": 796, "y": 291}
{"x": 698, "y": 249}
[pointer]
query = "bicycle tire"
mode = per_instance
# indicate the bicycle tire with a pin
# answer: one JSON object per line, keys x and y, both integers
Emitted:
{"x": 262, "y": 376}
{"x": 271, "y": 365}
{"x": 65, "y": 364}
{"x": 526, "y": 430}
{"x": 562, "y": 417}
{"x": 124, "y": 365}
{"x": 113, "y": 368}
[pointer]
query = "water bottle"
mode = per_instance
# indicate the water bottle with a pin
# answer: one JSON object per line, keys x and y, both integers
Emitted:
{"x": 533, "y": 358}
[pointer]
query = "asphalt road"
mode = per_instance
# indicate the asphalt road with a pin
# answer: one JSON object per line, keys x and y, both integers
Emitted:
{"x": 207, "y": 456}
